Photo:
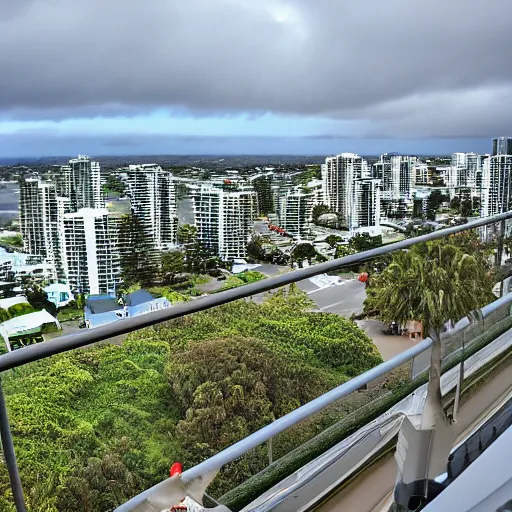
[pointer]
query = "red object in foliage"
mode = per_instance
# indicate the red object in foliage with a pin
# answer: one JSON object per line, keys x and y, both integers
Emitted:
{"x": 363, "y": 277}
{"x": 176, "y": 469}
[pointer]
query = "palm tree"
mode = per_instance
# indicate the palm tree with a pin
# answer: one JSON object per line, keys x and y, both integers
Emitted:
{"x": 433, "y": 283}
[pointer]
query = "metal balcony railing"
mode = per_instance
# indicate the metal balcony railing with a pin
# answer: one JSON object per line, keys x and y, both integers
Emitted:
{"x": 266, "y": 434}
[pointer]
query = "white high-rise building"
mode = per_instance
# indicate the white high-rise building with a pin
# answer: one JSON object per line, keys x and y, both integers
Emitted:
{"x": 365, "y": 207}
{"x": 294, "y": 210}
{"x": 467, "y": 167}
{"x": 224, "y": 218}
{"x": 395, "y": 172}
{"x": 90, "y": 250}
{"x": 39, "y": 221}
{"x": 448, "y": 174}
{"x": 496, "y": 185}
{"x": 82, "y": 178}
{"x": 61, "y": 176}
{"x": 343, "y": 195}
{"x": 316, "y": 188}
{"x": 152, "y": 196}
{"x": 421, "y": 175}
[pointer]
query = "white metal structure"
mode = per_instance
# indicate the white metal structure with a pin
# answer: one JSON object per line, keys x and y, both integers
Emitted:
{"x": 484, "y": 486}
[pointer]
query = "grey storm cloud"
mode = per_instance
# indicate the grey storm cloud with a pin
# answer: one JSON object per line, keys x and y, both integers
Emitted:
{"x": 431, "y": 68}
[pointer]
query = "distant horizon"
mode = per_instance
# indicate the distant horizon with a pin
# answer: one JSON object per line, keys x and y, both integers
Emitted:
{"x": 294, "y": 156}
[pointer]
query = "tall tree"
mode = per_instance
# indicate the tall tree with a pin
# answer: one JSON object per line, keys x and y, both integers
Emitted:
{"x": 139, "y": 260}
{"x": 173, "y": 262}
{"x": 303, "y": 251}
{"x": 319, "y": 210}
{"x": 38, "y": 298}
{"x": 364, "y": 242}
{"x": 333, "y": 240}
{"x": 455, "y": 203}
{"x": 466, "y": 208}
{"x": 199, "y": 258}
{"x": 433, "y": 283}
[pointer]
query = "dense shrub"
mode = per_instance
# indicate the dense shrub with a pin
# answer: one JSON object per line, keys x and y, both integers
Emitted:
{"x": 94, "y": 427}
{"x": 20, "y": 309}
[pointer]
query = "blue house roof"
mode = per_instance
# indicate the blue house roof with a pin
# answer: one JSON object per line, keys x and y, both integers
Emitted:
{"x": 137, "y": 298}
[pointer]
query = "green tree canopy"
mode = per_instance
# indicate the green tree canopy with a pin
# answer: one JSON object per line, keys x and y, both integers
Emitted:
{"x": 20, "y": 309}
{"x": 318, "y": 210}
{"x": 4, "y": 315}
{"x": 466, "y": 208}
{"x": 114, "y": 418}
{"x": 173, "y": 262}
{"x": 38, "y": 298}
{"x": 434, "y": 283}
{"x": 187, "y": 234}
{"x": 455, "y": 203}
{"x": 303, "y": 251}
{"x": 114, "y": 184}
{"x": 333, "y": 240}
{"x": 364, "y": 242}
{"x": 139, "y": 260}
{"x": 231, "y": 387}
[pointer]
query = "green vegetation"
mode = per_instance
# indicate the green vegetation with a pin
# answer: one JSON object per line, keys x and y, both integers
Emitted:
{"x": 361, "y": 414}
{"x": 114, "y": 186}
{"x": 19, "y": 310}
{"x": 313, "y": 172}
{"x": 305, "y": 251}
{"x": 318, "y": 211}
{"x": 15, "y": 241}
{"x": 70, "y": 312}
{"x": 173, "y": 262}
{"x": 432, "y": 283}
{"x": 38, "y": 298}
{"x": 4, "y": 315}
{"x": 434, "y": 202}
{"x": 237, "y": 280}
{"x": 138, "y": 263}
{"x": 463, "y": 207}
{"x": 198, "y": 258}
{"x": 94, "y": 427}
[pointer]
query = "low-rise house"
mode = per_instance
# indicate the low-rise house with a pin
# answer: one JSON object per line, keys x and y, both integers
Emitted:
{"x": 27, "y": 329}
{"x": 105, "y": 309}
{"x": 59, "y": 294}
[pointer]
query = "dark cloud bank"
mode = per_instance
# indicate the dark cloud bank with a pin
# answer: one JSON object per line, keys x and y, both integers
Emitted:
{"x": 409, "y": 69}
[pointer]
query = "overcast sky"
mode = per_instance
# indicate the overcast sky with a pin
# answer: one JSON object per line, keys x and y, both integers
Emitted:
{"x": 253, "y": 76}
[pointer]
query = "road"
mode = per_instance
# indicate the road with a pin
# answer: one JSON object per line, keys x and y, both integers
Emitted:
{"x": 345, "y": 299}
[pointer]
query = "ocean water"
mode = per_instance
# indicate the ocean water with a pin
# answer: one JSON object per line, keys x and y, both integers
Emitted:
{"x": 8, "y": 201}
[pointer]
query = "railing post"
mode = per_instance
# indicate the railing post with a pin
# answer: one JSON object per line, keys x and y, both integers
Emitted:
{"x": 460, "y": 378}
{"x": 10, "y": 456}
{"x": 269, "y": 450}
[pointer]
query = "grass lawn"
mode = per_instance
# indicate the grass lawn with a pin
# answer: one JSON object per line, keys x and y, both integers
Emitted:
{"x": 69, "y": 313}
